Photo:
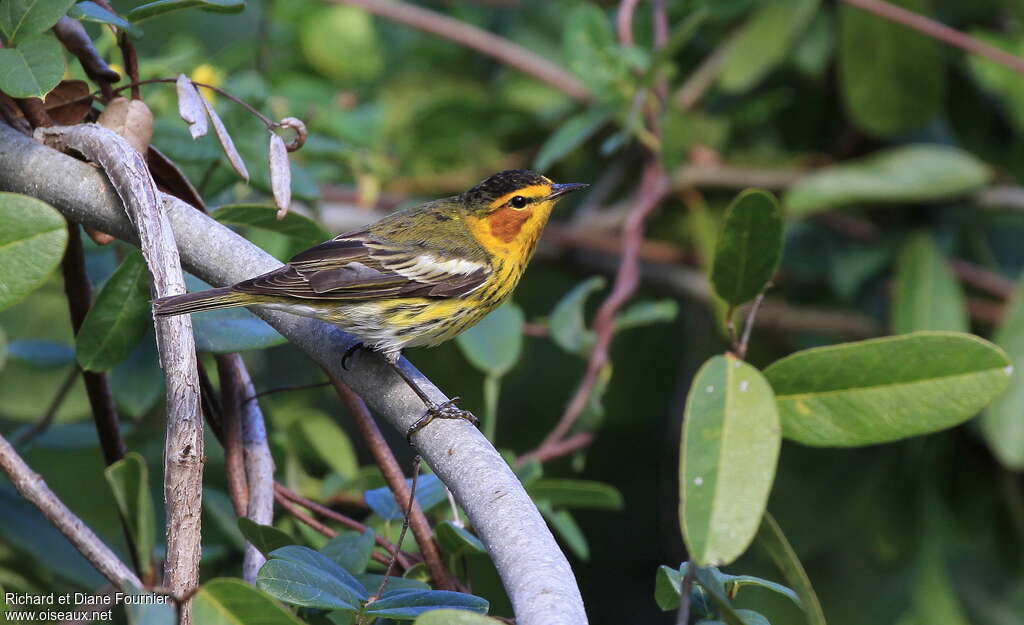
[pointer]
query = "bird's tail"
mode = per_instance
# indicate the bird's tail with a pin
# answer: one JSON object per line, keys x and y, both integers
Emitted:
{"x": 210, "y": 299}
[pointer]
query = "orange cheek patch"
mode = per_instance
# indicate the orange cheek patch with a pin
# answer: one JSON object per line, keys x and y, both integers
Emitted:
{"x": 507, "y": 222}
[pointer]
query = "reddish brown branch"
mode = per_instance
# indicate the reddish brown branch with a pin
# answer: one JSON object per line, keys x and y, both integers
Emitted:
{"x": 35, "y": 112}
{"x": 231, "y": 398}
{"x": 982, "y": 279}
{"x": 395, "y": 480}
{"x": 940, "y": 31}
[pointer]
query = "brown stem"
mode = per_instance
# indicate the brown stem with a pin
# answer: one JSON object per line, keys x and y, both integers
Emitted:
{"x": 982, "y": 279}
{"x": 34, "y": 112}
{"x": 478, "y": 39}
{"x": 748, "y": 325}
{"x": 624, "y": 21}
{"x": 937, "y": 30}
{"x": 395, "y": 480}
{"x": 75, "y": 40}
{"x": 231, "y": 405}
{"x": 559, "y": 448}
{"x": 101, "y": 400}
{"x": 683, "y": 615}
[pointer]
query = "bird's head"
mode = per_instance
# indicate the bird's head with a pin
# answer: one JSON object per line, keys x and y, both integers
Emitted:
{"x": 508, "y": 210}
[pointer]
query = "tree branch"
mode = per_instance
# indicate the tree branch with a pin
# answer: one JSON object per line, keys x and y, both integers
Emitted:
{"x": 534, "y": 571}
{"x": 33, "y": 488}
{"x": 183, "y": 449}
{"x": 477, "y": 39}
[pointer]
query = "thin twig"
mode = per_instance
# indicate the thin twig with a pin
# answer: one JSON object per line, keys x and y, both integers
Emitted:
{"x": 302, "y": 516}
{"x": 982, "y": 278}
{"x": 42, "y": 424}
{"x": 940, "y": 31}
{"x": 287, "y": 389}
{"x": 624, "y": 21}
{"x": 395, "y": 480}
{"x": 416, "y": 464}
{"x": 683, "y": 615}
{"x": 748, "y": 325}
{"x": 33, "y": 488}
{"x": 478, "y": 39}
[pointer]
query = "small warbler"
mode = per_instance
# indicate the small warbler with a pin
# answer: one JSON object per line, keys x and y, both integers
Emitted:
{"x": 417, "y": 277}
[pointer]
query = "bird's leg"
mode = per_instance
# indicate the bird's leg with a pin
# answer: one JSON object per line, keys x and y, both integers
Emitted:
{"x": 445, "y": 410}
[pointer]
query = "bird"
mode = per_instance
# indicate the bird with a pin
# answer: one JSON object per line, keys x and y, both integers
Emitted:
{"x": 417, "y": 277}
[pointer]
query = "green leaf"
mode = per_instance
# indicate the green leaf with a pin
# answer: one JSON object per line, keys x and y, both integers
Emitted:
{"x": 645, "y": 313}
{"x": 772, "y": 540}
{"x": 998, "y": 78}
{"x": 926, "y": 294}
{"x": 319, "y": 434}
{"x": 31, "y": 245}
{"x": 567, "y": 325}
{"x": 129, "y": 481}
{"x": 22, "y": 18}
{"x": 735, "y": 582}
{"x": 163, "y": 7}
{"x": 1002, "y": 423}
{"x": 217, "y": 505}
{"x": 228, "y": 601}
{"x": 40, "y": 353}
{"x": 878, "y": 56}
{"x": 668, "y": 586}
{"x": 406, "y": 605}
{"x": 749, "y": 248}
{"x": 306, "y": 578}
{"x": 764, "y": 41}
{"x": 429, "y": 493}
{"x": 92, "y": 12}
{"x": 301, "y": 230}
{"x": 150, "y": 609}
{"x": 456, "y": 540}
{"x": 118, "y": 319}
{"x": 573, "y": 133}
{"x": 716, "y": 591}
{"x": 567, "y": 493}
{"x": 371, "y": 581}
{"x": 727, "y": 462}
{"x": 453, "y": 617}
{"x": 32, "y": 68}
{"x": 341, "y": 43}
{"x": 351, "y": 550}
{"x": 567, "y": 529}
{"x": 933, "y": 594}
{"x": 265, "y": 538}
{"x": 886, "y": 389}
{"x": 589, "y": 47}
{"x": 137, "y": 383}
{"x": 493, "y": 345}
{"x": 907, "y": 174}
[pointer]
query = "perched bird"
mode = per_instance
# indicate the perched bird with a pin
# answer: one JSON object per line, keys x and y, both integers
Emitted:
{"x": 417, "y": 277}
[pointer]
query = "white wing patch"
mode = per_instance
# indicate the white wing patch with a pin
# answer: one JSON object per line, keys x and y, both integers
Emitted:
{"x": 427, "y": 268}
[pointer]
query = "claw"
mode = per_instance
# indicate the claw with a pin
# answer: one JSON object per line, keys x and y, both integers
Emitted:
{"x": 349, "y": 353}
{"x": 447, "y": 410}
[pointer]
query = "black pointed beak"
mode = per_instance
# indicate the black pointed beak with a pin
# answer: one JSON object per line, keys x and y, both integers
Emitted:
{"x": 558, "y": 190}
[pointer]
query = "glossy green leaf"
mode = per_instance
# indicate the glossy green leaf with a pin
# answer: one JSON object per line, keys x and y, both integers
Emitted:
{"x": 567, "y": 324}
{"x": 749, "y": 247}
{"x": 456, "y": 540}
{"x": 453, "y": 617}
{"x": 163, "y": 7}
{"x": 41, "y": 353}
{"x": 764, "y": 41}
{"x": 228, "y": 601}
{"x": 129, "y": 481}
{"x": 912, "y": 173}
{"x": 1002, "y": 422}
{"x": 32, "y": 68}
{"x": 301, "y": 229}
{"x": 406, "y": 605}
{"x": 31, "y": 245}
{"x": 573, "y": 133}
{"x": 643, "y": 313}
{"x": 429, "y": 493}
{"x": 727, "y": 462}
{"x": 118, "y": 319}
{"x": 568, "y": 493}
{"x": 667, "y": 588}
{"x": 22, "y": 18}
{"x": 92, "y": 12}
{"x": 886, "y": 389}
{"x": 351, "y": 550}
{"x": 878, "y": 56}
{"x": 493, "y": 345}
{"x": 565, "y": 526}
{"x": 771, "y": 539}
{"x": 926, "y": 295}
{"x": 716, "y": 592}
{"x": 306, "y": 578}
{"x": 265, "y": 538}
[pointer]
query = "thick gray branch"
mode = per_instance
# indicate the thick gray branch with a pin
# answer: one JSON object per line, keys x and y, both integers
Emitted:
{"x": 259, "y": 469}
{"x": 535, "y": 573}
{"x": 183, "y": 447}
{"x": 32, "y": 487}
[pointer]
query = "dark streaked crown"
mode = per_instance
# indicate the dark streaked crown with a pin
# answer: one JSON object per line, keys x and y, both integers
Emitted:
{"x": 502, "y": 183}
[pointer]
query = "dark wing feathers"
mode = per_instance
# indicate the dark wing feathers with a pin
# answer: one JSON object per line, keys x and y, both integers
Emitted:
{"x": 355, "y": 266}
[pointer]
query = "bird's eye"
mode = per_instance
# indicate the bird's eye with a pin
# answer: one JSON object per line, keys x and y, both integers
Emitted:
{"x": 518, "y": 202}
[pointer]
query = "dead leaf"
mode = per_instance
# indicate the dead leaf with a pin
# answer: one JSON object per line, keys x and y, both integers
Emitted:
{"x": 170, "y": 179}
{"x": 225, "y": 142}
{"x": 280, "y": 175}
{"x": 131, "y": 119}
{"x": 100, "y": 238}
{"x": 190, "y": 107}
{"x": 69, "y": 103}
{"x": 300, "y": 132}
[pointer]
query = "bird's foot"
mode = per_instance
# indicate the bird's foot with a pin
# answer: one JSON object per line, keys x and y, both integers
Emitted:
{"x": 351, "y": 351}
{"x": 446, "y": 410}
